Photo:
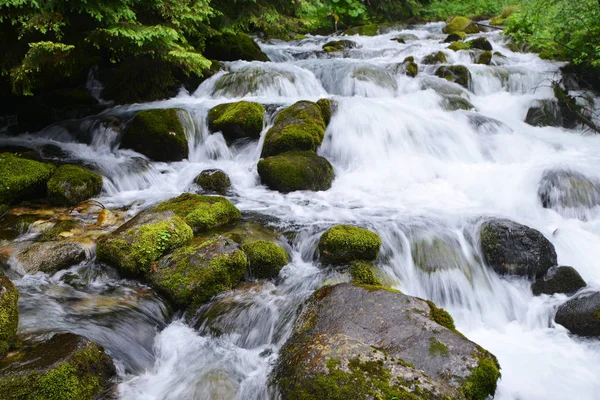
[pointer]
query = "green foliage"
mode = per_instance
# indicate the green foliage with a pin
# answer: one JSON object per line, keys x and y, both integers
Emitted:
{"x": 443, "y": 9}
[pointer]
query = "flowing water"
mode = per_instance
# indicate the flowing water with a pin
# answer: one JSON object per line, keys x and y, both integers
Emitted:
{"x": 405, "y": 167}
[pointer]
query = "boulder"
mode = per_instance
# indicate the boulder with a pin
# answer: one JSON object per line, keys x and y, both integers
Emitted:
{"x": 451, "y": 102}
{"x": 265, "y": 258}
{"x": 296, "y": 170}
{"x": 365, "y": 342}
{"x": 364, "y": 30}
{"x": 455, "y": 37}
{"x": 481, "y": 44}
{"x": 561, "y": 189}
{"x": 9, "y": 313}
{"x": 327, "y": 107}
{"x": 434, "y": 58}
{"x": 50, "y": 257}
{"x": 22, "y": 179}
{"x": 298, "y": 127}
{"x": 438, "y": 254}
{"x": 514, "y": 249}
{"x": 339, "y": 45}
{"x": 410, "y": 67}
{"x": 544, "y": 113}
{"x": 455, "y": 73}
{"x": 213, "y": 180}
{"x": 138, "y": 244}
{"x": 485, "y": 58}
{"x": 362, "y": 273}
{"x": 201, "y": 213}
{"x": 157, "y": 134}
{"x": 233, "y": 47}
{"x": 65, "y": 366}
{"x": 461, "y": 24}
{"x": 457, "y": 46}
{"x": 71, "y": 185}
{"x": 581, "y": 315}
{"x": 342, "y": 244}
{"x": 558, "y": 280}
{"x": 242, "y": 119}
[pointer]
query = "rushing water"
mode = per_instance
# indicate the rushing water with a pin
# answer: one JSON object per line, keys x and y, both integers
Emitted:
{"x": 405, "y": 167}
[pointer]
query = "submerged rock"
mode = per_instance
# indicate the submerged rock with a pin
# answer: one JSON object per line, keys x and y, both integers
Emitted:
{"x": 22, "y": 179}
{"x": 213, "y": 180}
{"x": 558, "y": 280}
{"x": 461, "y": 24}
{"x": 296, "y": 170}
{"x": 9, "y": 313}
{"x": 560, "y": 189}
{"x": 455, "y": 73}
{"x": 455, "y": 37}
{"x": 158, "y": 134}
{"x": 364, "y": 342}
{"x": 581, "y": 315}
{"x": 70, "y": 185}
{"x": 438, "y": 254}
{"x": 233, "y": 47}
{"x": 481, "y": 44}
{"x": 238, "y": 120}
{"x": 339, "y": 45}
{"x": 343, "y": 244}
{"x": 453, "y": 102}
{"x": 485, "y": 58}
{"x": 65, "y": 366}
{"x": 514, "y": 249}
{"x": 265, "y": 258}
{"x": 435, "y": 58}
{"x": 544, "y": 113}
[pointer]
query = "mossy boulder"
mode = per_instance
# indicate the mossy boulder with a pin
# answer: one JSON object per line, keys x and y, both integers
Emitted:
{"x": 65, "y": 366}
{"x": 435, "y": 58}
{"x": 213, "y": 180}
{"x": 298, "y": 127}
{"x": 455, "y": 37}
{"x": 363, "y": 30}
{"x": 457, "y": 46}
{"x": 201, "y": 213}
{"x": 265, "y": 258}
{"x": 339, "y": 45}
{"x": 136, "y": 246}
{"x": 485, "y": 58}
{"x": 242, "y": 119}
{"x": 481, "y": 44}
{"x": 434, "y": 254}
{"x": 514, "y": 249}
{"x": 158, "y": 134}
{"x": 22, "y": 179}
{"x": 9, "y": 313}
{"x": 362, "y": 273}
{"x": 411, "y": 68}
{"x": 451, "y": 102}
{"x": 461, "y": 24}
{"x": 558, "y": 280}
{"x": 342, "y": 244}
{"x": 327, "y": 107}
{"x": 193, "y": 274}
{"x": 49, "y": 257}
{"x": 296, "y": 170}
{"x": 567, "y": 191}
{"x": 455, "y": 73}
{"x": 233, "y": 47}
{"x": 581, "y": 315}
{"x": 366, "y": 342}
{"x": 70, "y": 185}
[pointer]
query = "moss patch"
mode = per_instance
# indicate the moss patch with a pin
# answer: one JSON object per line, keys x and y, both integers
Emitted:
{"x": 213, "y": 180}
{"x": 441, "y": 316}
{"x": 70, "y": 185}
{"x": 456, "y": 46}
{"x": 9, "y": 313}
{"x": 22, "y": 179}
{"x": 460, "y": 24}
{"x": 485, "y": 58}
{"x": 296, "y": 170}
{"x": 326, "y": 107}
{"x": 435, "y": 58}
{"x": 345, "y": 243}
{"x": 266, "y": 258}
{"x": 412, "y": 69}
{"x": 455, "y": 73}
{"x": 362, "y": 274}
{"x": 437, "y": 348}
{"x": 483, "y": 380}
{"x": 61, "y": 226}
{"x": 237, "y": 120}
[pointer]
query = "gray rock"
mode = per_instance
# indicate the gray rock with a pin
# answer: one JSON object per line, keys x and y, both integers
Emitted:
{"x": 50, "y": 257}
{"x": 561, "y": 189}
{"x": 581, "y": 315}
{"x": 559, "y": 280}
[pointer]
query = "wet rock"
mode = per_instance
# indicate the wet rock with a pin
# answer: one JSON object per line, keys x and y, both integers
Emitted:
{"x": 249, "y": 229}
{"x": 376, "y": 75}
{"x": 298, "y": 127}
{"x": 452, "y": 103}
{"x": 50, "y": 257}
{"x": 558, "y": 280}
{"x": 410, "y": 67}
{"x": 213, "y": 180}
{"x": 22, "y": 179}
{"x": 457, "y": 46}
{"x": 65, "y": 366}
{"x": 296, "y": 170}
{"x": 485, "y": 58}
{"x": 339, "y": 45}
{"x": 364, "y": 30}
{"x": 514, "y": 249}
{"x": 434, "y": 58}
{"x": 53, "y": 152}
{"x": 565, "y": 189}
{"x": 233, "y": 47}
{"x": 327, "y": 107}
{"x": 581, "y": 315}
{"x": 61, "y": 229}
{"x": 455, "y": 73}
{"x": 461, "y": 24}
{"x": 405, "y": 37}
{"x": 197, "y": 272}
{"x": 201, "y": 213}
{"x": 9, "y": 313}
{"x": 443, "y": 87}
{"x": 366, "y": 342}
{"x": 343, "y": 244}
{"x": 71, "y": 185}
{"x": 455, "y": 37}
{"x": 265, "y": 258}
{"x": 362, "y": 273}
{"x": 550, "y": 113}
{"x": 157, "y": 134}
{"x": 238, "y": 120}
{"x": 438, "y": 254}
{"x": 136, "y": 245}
{"x": 481, "y": 44}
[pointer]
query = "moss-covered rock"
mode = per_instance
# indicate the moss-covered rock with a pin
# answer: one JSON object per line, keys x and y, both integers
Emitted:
{"x": 457, "y": 46}
{"x": 70, "y": 185}
{"x": 411, "y": 68}
{"x": 242, "y": 119}
{"x": 233, "y": 47}
{"x": 296, "y": 170}
{"x": 65, "y": 366}
{"x": 499, "y": 20}
{"x": 455, "y": 73}
{"x": 327, "y": 107}
{"x": 135, "y": 247}
{"x": 362, "y": 273}
{"x": 365, "y": 342}
{"x": 213, "y": 180}
{"x": 157, "y": 134}
{"x": 9, "y": 313}
{"x": 455, "y": 37}
{"x": 485, "y": 58}
{"x": 364, "y": 30}
{"x": 558, "y": 280}
{"x": 435, "y": 58}
{"x": 339, "y": 45}
{"x": 298, "y": 127}
{"x": 481, "y": 44}
{"x": 461, "y": 24}
{"x": 194, "y": 274}
{"x": 343, "y": 244}
{"x": 265, "y": 258}
{"x": 201, "y": 212}
{"x": 49, "y": 257}
{"x": 22, "y": 179}
{"x": 581, "y": 315}
{"x": 452, "y": 102}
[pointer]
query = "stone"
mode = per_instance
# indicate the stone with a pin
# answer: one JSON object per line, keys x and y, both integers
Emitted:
{"x": 342, "y": 244}
{"x": 558, "y": 280}
{"x": 581, "y": 315}
{"x": 71, "y": 185}
{"x": 213, "y": 180}
{"x": 296, "y": 170}
{"x": 237, "y": 120}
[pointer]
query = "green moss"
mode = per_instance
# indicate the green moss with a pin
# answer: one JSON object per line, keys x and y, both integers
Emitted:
{"x": 213, "y": 180}
{"x": 22, "y": 179}
{"x": 296, "y": 170}
{"x": 455, "y": 73}
{"x": 458, "y": 24}
{"x": 326, "y": 107}
{"x": 483, "y": 380}
{"x": 345, "y": 243}
{"x": 597, "y": 314}
{"x": 435, "y": 58}
{"x": 70, "y": 185}
{"x": 412, "y": 69}
{"x": 364, "y": 30}
{"x": 485, "y": 58}
{"x": 499, "y": 20}
{"x": 237, "y": 120}
{"x": 9, "y": 313}
{"x": 456, "y": 46}
{"x": 298, "y": 127}
{"x": 61, "y": 226}
{"x": 266, "y": 258}
{"x": 157, "y": 134}
{"x": 201, "y": 212}
{"x": 441, "y": 316}
{"x": 362, "y": 274}
{"x": 437, "y": 348}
